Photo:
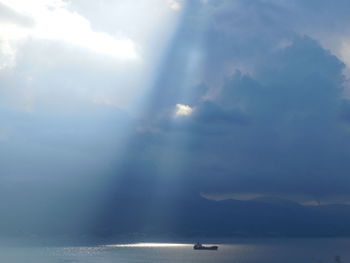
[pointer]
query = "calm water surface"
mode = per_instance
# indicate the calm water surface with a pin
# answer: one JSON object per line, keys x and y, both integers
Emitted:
{"x": 234, "y": 251}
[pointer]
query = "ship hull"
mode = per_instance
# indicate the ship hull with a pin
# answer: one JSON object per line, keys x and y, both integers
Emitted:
{"x": 206, "y": 248}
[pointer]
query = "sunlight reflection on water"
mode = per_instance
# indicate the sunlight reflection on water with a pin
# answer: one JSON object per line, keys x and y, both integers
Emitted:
{"x": 151, "y": 245}
{"x": 238, "y": 251}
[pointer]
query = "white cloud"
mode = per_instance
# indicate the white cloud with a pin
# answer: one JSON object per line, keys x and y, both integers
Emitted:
{"x": 7, "y": 54}
{"x": 53, "y": 21}
{"x": 183, "y": 110}
{"x": 175, "y": 4}
{"x": 61, "y": 54}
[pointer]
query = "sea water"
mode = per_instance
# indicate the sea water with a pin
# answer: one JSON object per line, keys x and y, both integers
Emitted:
{"x": 233, "y": 251}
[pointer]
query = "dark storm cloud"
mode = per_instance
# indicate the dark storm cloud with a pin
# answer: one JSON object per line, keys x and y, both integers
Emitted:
{"x": 292, "y": 143}
{"x": 271, "y": 109}
{"x": 212, "y": 114}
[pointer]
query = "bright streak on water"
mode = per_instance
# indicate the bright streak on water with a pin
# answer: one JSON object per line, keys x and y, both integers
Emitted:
{"x": 150, "y": 245}
{"x": 238, "y": 251}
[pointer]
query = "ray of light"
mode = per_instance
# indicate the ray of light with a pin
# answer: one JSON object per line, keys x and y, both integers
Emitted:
{"x": 178, "y": 71}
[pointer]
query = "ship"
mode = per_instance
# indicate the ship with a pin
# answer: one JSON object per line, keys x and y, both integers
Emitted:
{"x": 199, "y": 246}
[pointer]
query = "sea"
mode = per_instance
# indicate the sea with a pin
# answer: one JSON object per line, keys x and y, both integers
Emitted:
{"x": 262, "y": 250}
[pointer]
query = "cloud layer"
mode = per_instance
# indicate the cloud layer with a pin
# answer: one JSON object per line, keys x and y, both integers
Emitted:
{"x": 248, "y": 98}
{"x": 269, "y": 110}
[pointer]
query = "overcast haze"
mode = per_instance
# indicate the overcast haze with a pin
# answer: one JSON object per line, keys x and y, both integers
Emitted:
{"x": 165, "y": 100}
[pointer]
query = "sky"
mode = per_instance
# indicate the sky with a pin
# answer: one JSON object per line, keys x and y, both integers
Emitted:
{"x": 164, "y": 98}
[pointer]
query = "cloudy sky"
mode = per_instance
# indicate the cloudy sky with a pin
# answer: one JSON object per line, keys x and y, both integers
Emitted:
{"x": 225, "y": 99}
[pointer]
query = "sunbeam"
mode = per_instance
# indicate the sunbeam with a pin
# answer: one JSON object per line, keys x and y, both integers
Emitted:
{"x": 173, "y": 120}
